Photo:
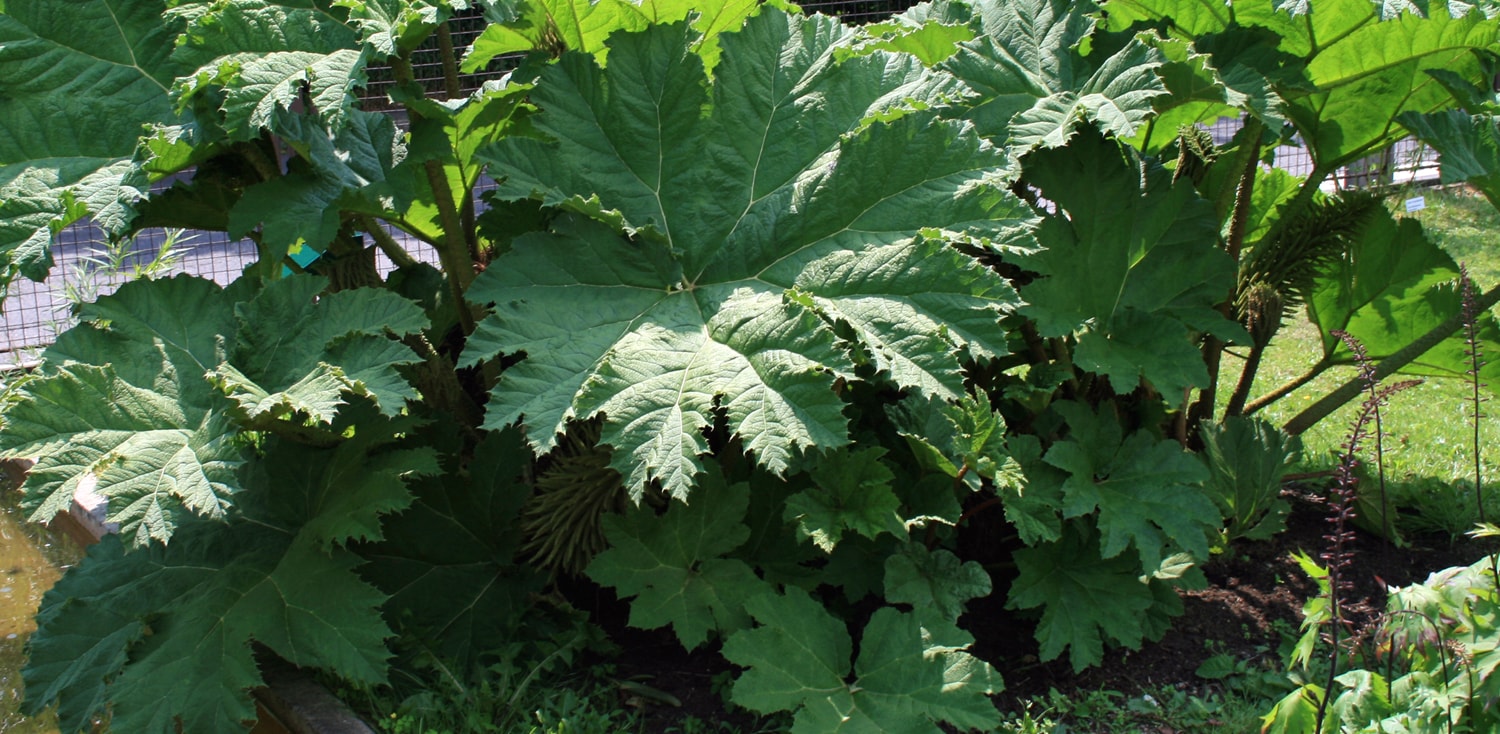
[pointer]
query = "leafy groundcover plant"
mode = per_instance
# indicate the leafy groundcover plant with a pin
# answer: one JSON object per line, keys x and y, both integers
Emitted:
{"x": 1432, "y": 670}
{"x": 766, "y": 311}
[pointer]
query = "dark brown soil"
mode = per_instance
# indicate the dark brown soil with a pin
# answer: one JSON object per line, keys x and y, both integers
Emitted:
{"x": 1254, "y": 599}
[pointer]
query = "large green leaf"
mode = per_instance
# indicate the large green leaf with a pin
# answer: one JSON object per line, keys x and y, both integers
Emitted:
{"x": 125, "y": 405}
{"x": 450, "y": 134}
{"x": 254, "y": 62}
{"x": 258, "y": 85}
{"x": 1368, "y": 72}
{"x": 306, "y": 205}
{"x": 555, "y": 26}
{"x": 337, "y": 496}
{"x": 148, "y": 327}
{"x": 1148, "y": 493}
{"x": 965, "y": 440}
{"x": 799, "y": 653}
{"x": 903, "y": 681}
{"x": 1219, "y": 75}
{"x": 1131, "y": 261}
{"x": 1393, "y": 286}
{"x": 1085, "y": 599}
{"x": 1357, "y": 72}
{"x": 205, "y": 602}
{"x": 79, "y": 81}
{"x": 307, "y": 606}
{"x": 158, "y": 465}
{"x": 933, "y": 582}
{"x": 254, "y": 59}
{"x": 128, "y": 401}
{"x": 1035, "y": 84}
{"x": 86, "y": 626}
{"x": 1246, "y": 459}
{"x": 389, "y": 27}
{"x": 299, "y": 352}
{"x": 672, "y": 564}
{"x": 851, "y": 491}
{"x": 459, "y": 596}
{"x": 1032, "y": 492}
{"x": 291, "y": 69}
{"x": 931, "y": 31}
{"x": 219, "y": 28}
{"x": 763, "y": 207}
{"x": 276, "y": 574}
{"x": 1469, "y": 146}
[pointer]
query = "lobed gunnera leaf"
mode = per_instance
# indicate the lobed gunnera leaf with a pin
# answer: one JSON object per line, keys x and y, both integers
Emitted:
{"x": 123, "y": 405}
{"x": 123, "y": 630}
{"x": 1085, "y": 600}
{"x": 1392, "y": 286}
{"x": 459, "y": 598}
{"x": 764, "y": 212}
{"x": 132, "y": 401}
{"x": 388, "y": 27}
{"x": 1469, "y": 146}
{"x": 674, "y": 564}
{"x": 851, "y": 491}
{"x": 1148, "y": 493}
{"x": 936, "y": 583}
{"x": 79, "y": 80}
{"x": 555, "y": 26}
{"x": 905, "y": 679}
{"x": 1340, "y": 75}
{"x": 964, "y": 440}
{"x": 1131, "y": 264}
{"x": 299, "y": 352}
{"x": 1036, "y": 85}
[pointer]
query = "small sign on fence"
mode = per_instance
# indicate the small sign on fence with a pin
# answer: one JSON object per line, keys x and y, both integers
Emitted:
{"x": 1416, "y": 204}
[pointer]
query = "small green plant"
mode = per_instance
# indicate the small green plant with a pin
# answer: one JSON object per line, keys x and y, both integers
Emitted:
{"x": 1433, "y": 653}
{"x": 1033, "y": 718}
{"x": 1250, "y": 679}
{"x": 1247, "y": 459}
{"x": 1183, "y": 708}
{"x": 582, "y": 701}
{"x": 116, "y": 261}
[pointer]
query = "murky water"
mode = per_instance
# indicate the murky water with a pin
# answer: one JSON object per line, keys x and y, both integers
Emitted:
{"x": 31, "y": 559}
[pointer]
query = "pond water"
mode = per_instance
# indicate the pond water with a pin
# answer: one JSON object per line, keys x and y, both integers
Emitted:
{"x": 31, "y": 559}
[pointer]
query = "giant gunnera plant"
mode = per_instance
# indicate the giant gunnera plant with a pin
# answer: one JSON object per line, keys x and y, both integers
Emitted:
{"x": 748, "y": 315}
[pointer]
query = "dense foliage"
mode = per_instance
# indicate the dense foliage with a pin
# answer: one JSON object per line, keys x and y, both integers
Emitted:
{"x": 792, "y": 333}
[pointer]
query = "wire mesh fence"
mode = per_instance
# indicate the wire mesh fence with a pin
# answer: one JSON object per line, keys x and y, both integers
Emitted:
{"x": 859, "y": 11}
{"x": 88, "y": 266}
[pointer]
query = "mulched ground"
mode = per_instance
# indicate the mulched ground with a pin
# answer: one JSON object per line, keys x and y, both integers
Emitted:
{"x": 1255, "y": 596}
